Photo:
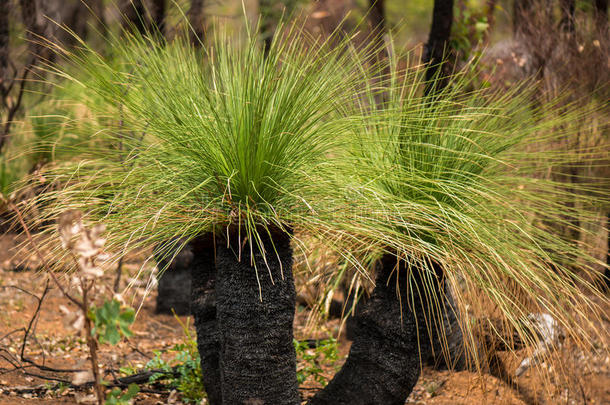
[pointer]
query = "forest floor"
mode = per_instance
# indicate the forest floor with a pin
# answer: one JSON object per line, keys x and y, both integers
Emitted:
{"x": 585, "y": 380}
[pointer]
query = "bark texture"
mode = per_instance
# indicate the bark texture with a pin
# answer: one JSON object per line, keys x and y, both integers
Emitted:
{"x": 438, "y": 42}
{"x": 203, "y": 308}
{"x": 174, "y": 288}
{"x": 258, "y": 361}
{"x": 383, "y": 365}
{"x": 449, "y": 350}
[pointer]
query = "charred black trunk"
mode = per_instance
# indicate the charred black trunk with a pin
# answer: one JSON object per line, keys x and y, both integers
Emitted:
{"x": 267, "y": 25}
{"x": 384, "y": 361}
{"x": 449, "y": 348}
{"x": 187, "y": 287}
{"x": 437, "y": 46}
{"x": 601, "y": 17}
{"x": 174, "y": 288}
{"x": 255, "y": 311}
{"x": 203, "y": 308}
{"x": 378, "y": 27}
{"x": 383, "y": 365}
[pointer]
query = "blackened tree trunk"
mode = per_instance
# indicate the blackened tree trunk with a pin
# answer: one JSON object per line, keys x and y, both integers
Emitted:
{"x": 449, "y": 350}
{"x": 522, "y": 10}
{"x": 438, "y": 45}
{"x": 99, "y": 11}
{"x": 34, "y": 24}
{"x": 601, "y": 17}
{"x": 377, "y": 15}
{"x": 383, "y": 364}
{"x": 203, "y": 308}
{"x": 567, "y": 22}
{"x": 255, "y": 311}
{"x": 378, "y": 26}
{"x": 157, "y": 13}
{"x": 134, "y": 15}
{"x": 267, "y": 24}
{"x": 174, "y": 284}
{"x": 197, "y": 21}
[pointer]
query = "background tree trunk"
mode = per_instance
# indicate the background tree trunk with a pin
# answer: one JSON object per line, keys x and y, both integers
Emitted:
{"x": 174, "y": 288}
{"x": 521, "y": 15}
{"x": 99, "y": 10}
{"x": 383, "y": 364}
{"x": 378, "y": 26}
{"x": 197, "y": 20}
{"x": 601, "y": 17}
{"x": 258, "y": 360}
{"x": 567, "y": 23}
{"x": 267, "y": 24}
{"x": 5, "y": 8}
{"x": 157, "y": 13}
{"x": 134, "y": 15}
{"x": 438, "y": 42}
{"x": 203, "y": 308}
{"x": 34, "y": 23}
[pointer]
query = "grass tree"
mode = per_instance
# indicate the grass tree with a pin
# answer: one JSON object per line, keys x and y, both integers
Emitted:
{"x": 219, "y": 150}
{"x": 232, "y": 149}
{"x": 451, "y": 192}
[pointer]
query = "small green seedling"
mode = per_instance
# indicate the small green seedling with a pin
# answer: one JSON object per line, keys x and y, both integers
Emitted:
{"x": 117, "y": 397}
{"x": 310, "y": 359}
{"x": 111, "y": 321}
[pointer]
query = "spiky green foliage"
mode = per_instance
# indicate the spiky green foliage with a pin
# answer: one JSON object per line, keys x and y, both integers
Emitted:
{"x": 226, "y": 137}
{"x": 312, "y": 137}
{"x": 462, "y": 178}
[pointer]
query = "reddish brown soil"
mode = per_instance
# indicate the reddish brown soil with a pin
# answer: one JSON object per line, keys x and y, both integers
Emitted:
{"x": 586, "y": 380}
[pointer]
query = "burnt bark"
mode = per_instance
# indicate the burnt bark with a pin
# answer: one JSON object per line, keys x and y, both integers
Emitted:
{"x": 203, "y": 308}
{"x": 383, "y": 365}
{"x": 174, "y": 284}
{"x": 437, "y": 46}
{"x": 255, "y": 312}
{"x": 197, "y": 22}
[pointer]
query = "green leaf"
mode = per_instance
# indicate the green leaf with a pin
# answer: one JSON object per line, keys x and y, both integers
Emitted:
{"x": 112, "y": 335}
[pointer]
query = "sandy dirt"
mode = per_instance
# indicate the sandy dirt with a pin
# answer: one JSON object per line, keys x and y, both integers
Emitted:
{"x": 586, "y": 379}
